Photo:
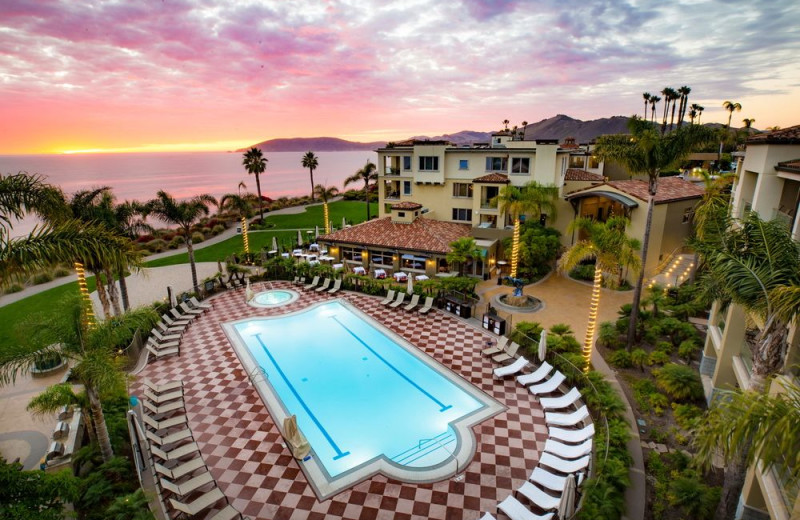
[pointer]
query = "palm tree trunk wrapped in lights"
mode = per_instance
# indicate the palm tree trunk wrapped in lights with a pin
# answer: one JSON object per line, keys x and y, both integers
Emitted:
{"x": 245, "y": 238}
{"x": 86, "y": 301}
{"x": 588, "y": 342}
{"x": 515, "y": 249}
{"x": 326, "y": 193}
{"x": 327, "y": 220}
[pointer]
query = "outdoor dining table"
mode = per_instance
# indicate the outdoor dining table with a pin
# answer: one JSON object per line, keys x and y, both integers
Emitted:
{"x": 297, "y": 252}
{"x": 359, "y": 270}
{"x": 313, "y": 247}
{"x": 380, "y": 274}
{"x": 420, "y": 277}
{"x": 338, "y": 266}
{"x": 285, "y": 255}
{"x": 400, "y": 276}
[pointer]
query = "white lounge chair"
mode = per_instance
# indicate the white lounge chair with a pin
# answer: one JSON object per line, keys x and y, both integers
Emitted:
{"x": 158, "y": 353}
{"x": 163, "y": 344}
{"x": 401, "y": 296}
{"x": 166, "y": 318}
{"x": 178, "y": 315}
{"x": 162, "y": 398}
{"x": 324, "y": 286}
{"x": 564, "y": 401}
{"x": 313, "y": 283}
{"x": 227, "y": 513}
{"x": 337, "y": 286}
{"x": 563, "y": 466}
{"x": 497, "y": 348}
{"x": 507, "y": 355}
{"x": 164, "y": 424}
{"x": 180, "y": 470}
{"x": 193, "y": 484}
{"x": 568, "y": 451}
{"x": 198, "y": 304}
{"x": 513, "y": 368}
{"x": 167, "y": 386}
{"x": 426, "y": 308}
{"x": 514, "y": 509}
{"x": 567, "y": 419}
{"x": 576, "y": 436}
{"x": 163, "y": 338}
{"x": 160, "y": 410}
{"x": 166, "y": 329}
{"x": 535, "y": 376}
{"x": 169, "y": 439}
{"x": 548, "y": 480}
{"x": 538, "y": 497}
{"x": 185, "y": 309}
{"x": 389, "y": 298}
{"x": 175, "y": 453}
{"x": 200, "y": 504}
{"x": 551, "y": 385}
{"x": 487, "y": 516}
{"x": 413, "y": 303}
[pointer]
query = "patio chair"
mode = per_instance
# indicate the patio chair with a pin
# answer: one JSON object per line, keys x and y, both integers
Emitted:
{"x": 188, "y": 310}
{"x": 515, "y": 510}
{"x": 337, "y": 286}
{"x": 587, "y": 432}
{"x": 187, "y": 487}
{"x": 159, "y": 353}
{"x": 568, "y": 451}
{"x": 176, "y": 453}
{"x": 426, "y": 308}
{"x": 401, "y": 296}
{"x": 498, "y": 347}
{"x": 551, "y": 385}
{"x": 313, "y": 283}
{"x": 166, "y": 329}
{"x": 163, "y": 338}
{"x": 160, "y": 410}
{"x": 564, "y": 466}
{"x": 162, "y": 398}
{"x": 161, "y": 345}
{"x": 567, "y": 419}
{"x": 389, "y": 298}
{"x": 534, "y": 377}
{"x": 199, "y": 305}
{"x": 200, "y": 504}
{"x": 548, "y": 480}
{"x": 510, "y": 370}
{"x": 166, "y": 318}
{"x": 324, "y": 286}
{"x": 164, "y": 424}
{"x": 538, "y": 497}
{"x": 227, "y": 513}
{"x": 180, "y": 470}
{"x": 413, "y": 303}
{"x": 169, "y": 439}
{"x": 565, "y": 401}
{"x": 178, "y": 316}
{"x": 296, "y": 279}
{"x": 163, "y": 387}
{"x": 507, "y": 355}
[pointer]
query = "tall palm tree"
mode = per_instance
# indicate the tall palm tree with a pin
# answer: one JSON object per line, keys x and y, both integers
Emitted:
{"x": 255, "y": 163}
{"x": 369, "y": 172}
{"x": 644, "y": 151}
{"x": 694, "y": 112}
{"x": 462, "y": 250}
{"x": 748, "y": 123}
{"x": 669, "y": 96}
{"x": 239, "y": 205}
{"x": 311, "y": 162}
{"x": 505, "y": 124}
{"x": 326, "y": 193}
{"x": 91, "y": 353}
{"x": 646, "y": 96}
{"x": 746, "y": 426}
{"x": 653, "y": 102}
{"x": 183, "y": 215}
{"x": 532, "y": 198}
{"x": 606, "y": 243}
{"x": 128, "y": 222}
{"x": 731, "y": 107}
{"x": 524, "y": 128}
{"x": 684, "y": 92}
{"x": 699, "y": 112}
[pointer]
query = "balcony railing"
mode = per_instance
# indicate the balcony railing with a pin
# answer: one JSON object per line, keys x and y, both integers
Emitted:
{"x": 391, "y": 171}
{"x": 747, "y": 356}
{"x": 485, "y": 204}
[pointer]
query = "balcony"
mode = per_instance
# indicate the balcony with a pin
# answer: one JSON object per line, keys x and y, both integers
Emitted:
{"x": 486, "y": 204}
{"x": 391, "y": 172}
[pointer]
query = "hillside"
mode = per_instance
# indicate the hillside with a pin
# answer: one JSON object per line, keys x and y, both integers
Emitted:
{"x": 315, "y": 144}
{"x": 562, "y": 126}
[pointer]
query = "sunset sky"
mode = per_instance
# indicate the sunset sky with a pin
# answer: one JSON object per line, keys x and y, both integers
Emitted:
{"x": 217, "y": 75}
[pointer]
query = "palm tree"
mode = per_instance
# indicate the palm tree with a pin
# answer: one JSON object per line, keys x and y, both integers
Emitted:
{"x": 533, "y": 198}
{"x": 524, "y": 128}
{"x": 310, "y": 161}
{"x": 699, "y": 112}
{"x": 653, "y": 102}
{"x": 644, "y": 151}
{"x": 128, "y": 222}
{"x": 239, "y": 205}
{"x": 183, "y": 215}
{"x": 731, "y": 107}
{"x": 255, "y": 163}
{"x": 748, "y": 123}
{"x": 606, "y": 243}
{"x": 694, "y": 112}
{"x": 369, "y": 172}
{"x": 669, "y": 97}
{"x": 91, "y": 352}
{"x": 646, "y": 96}
{"x": 326, "y": 193}
{"x": 506, "y": 123}
{"x": 684, "y": 92}
{"x": 462, "y": 250}
{"x": 745, "y": 426}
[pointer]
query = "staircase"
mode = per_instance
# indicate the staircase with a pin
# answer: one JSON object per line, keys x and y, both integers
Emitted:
{"x": 674, "y": 273}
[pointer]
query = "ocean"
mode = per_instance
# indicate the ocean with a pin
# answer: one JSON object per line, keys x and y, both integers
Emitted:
{"x": 138, "y": 176}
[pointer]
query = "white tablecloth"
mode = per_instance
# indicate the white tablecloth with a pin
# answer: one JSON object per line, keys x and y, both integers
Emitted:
{"x": 285, "y": 255}
{"x": 380, "y": 273}
{"x": 359, "y": 270}
{"x": 313, "y": 247}
{"x": 420, "y": 277}
{"x": 297, "y": 252}
{"x": 400, "y": 277}
{"x": 338, "y": 266}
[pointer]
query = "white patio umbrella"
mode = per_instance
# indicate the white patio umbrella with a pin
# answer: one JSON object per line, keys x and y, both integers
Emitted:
{"x": 344, "y": 222}
{"x": 316, "y": 232}
{"x": 566, "y": 507}
{"x": 330, "y": 225}
{"x": 274, "y": 243}
{"x": 248, "y": 292}
{"x": 542, "y": 345}
{"x": 410, "y": 284}
{"x": 299, "y": 238}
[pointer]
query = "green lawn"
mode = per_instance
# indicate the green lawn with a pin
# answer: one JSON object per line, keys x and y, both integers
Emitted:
{"x": 354, "y": 211}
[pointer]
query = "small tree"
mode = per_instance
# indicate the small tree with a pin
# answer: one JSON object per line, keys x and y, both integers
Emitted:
{"x": 311, "y": 162}
{"x": 462, "y": 250}
{"x": 255, "y": 163}
{"x": 35, "y": 495}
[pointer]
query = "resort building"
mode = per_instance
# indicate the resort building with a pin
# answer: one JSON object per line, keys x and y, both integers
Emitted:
{"x": 768, "y": 183}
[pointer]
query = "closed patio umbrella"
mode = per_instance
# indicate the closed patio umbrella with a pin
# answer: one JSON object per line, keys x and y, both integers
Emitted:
{"x": 566, "y": 507}
{"x": 295, "y": 438}
{"x": 542, "y": 345}
{"x": 344, "y": 222}
{"x": 274, "y": 243}
{"x": 299, "y": 238}
{"x": 316, "y": 232}
{"x": 410, "y": 284}
{"x": 248, "y": 292}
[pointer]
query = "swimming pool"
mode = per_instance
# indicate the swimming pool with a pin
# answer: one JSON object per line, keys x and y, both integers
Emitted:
{"x": 367, "y": 400}
{"x": 274, "y": 298}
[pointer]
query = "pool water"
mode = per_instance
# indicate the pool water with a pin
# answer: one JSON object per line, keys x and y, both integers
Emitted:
{"x": 360, "y": 393}
{"x": 273, "y": 298}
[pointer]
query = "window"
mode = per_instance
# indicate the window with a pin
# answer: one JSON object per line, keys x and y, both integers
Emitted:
{"x": 461, "y": 189}
{"x": 576, "y": 161}
{"x": 352, "y": 254}
{"x": 463, "y": 164}
{"x": 406, "y": 187}
{"x": 401, "y": 214}
{"x": 594, "y": 162}
{"x": 407, "y": 162}
{"x": 688, "y": 213}
{"x": 464, "y": 215}
{"x": 496, "y": 164}
{"x": 428, "y": 163}
{"x": 384, "y": 258}
{"x": 520, "y": 165}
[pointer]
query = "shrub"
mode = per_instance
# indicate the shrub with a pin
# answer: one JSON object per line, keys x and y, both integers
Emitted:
{"x": 687, "y": 349}
{"x": 639, "y": 358}
{"x": 657, "y": 357}
{"x": 156, "y": 246}
{"x": 658, "y": 401}
{"x": 205, "y": 230}
{"x": 686, "y": 415}
{"x": 526, "y": 333}
{"x": 695, "y": 499}
{"x": 197, "y": 237}
{"x": 664, "y": 346}
{"x": 679, "y": 382}
{"x": 583, "y": 272}
{"x": 61, "y": 272}
{"x": 176, "y": 242}
{"x": 42, "y": 278}
{"x": 621, "y": 359}
{"x": 142, "y": 239}
{"x": 608, "y": 336}
{"x": 14, "y": 288}
{"x": 216, "y": 230}
{"x": 622, "y": 325}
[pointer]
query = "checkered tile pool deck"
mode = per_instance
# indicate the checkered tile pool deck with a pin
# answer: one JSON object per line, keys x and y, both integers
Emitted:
{"x": 244, "y": 450}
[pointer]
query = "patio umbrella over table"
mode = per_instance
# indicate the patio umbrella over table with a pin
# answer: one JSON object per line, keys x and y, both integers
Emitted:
{"x": 566, "y": 507}
{"x": 542, "y": 345}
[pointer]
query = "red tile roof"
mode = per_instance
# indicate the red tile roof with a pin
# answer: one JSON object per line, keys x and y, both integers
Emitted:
{"x": 576, "y": 174}
{"x": 789, "y": 166}
{"x": 495, "y": 178}
{"x": 670, "y": 189}
{"x": 406, "y": 205}
{"x": 789, "y": 135}
{"x": 433, "y": 236}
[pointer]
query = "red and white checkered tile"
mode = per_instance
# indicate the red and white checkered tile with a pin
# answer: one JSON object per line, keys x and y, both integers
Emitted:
{"x": 244, "y": 450}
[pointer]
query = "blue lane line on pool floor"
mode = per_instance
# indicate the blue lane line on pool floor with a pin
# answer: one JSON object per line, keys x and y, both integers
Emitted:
{"x": 339, "y": 453}
{"x": 442, "y": 406}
